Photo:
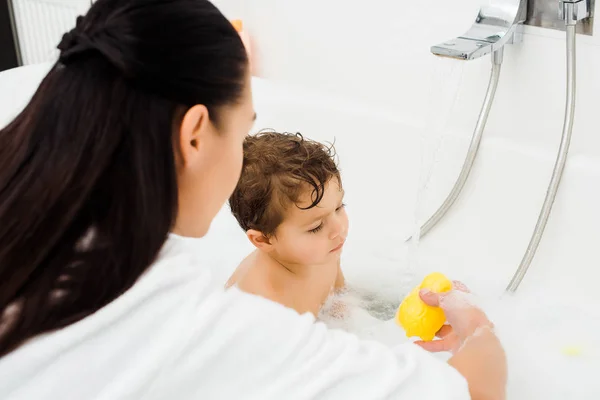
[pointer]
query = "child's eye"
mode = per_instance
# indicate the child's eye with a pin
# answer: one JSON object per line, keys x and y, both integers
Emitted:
{"x": 317, "y": 229}
{"x": 340, "y": 207}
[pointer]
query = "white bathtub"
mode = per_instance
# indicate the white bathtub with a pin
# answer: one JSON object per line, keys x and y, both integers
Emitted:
{"x": 549, "y": 327}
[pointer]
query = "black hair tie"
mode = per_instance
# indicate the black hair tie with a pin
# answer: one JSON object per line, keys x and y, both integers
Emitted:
{"x": 74, "y": 43}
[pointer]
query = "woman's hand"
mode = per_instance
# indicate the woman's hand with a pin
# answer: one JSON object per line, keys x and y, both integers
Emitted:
{"x": 463, "y": 316}
{"x": 477, "y": 354}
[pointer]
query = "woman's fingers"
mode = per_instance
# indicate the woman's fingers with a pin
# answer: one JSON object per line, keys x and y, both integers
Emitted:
{"x": 449, "y": 341}
{"x": 435, "y": 346}
{"x": 430, "y": 298}
{"x": 458, "y": 285}
{"x": 444, "y": 331}
{"x": 433, "y": 299}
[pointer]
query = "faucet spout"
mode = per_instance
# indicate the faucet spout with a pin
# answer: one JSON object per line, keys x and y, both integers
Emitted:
{"x": 497, "y": 24}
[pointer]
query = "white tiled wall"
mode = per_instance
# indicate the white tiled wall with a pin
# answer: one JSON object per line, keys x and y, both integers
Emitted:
{"x": 41, "y": 24}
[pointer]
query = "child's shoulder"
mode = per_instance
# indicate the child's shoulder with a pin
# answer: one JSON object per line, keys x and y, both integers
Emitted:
{"x": 254, "y": 275}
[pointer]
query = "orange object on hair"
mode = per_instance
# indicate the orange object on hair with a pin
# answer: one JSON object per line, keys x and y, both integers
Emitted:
{"x": 238, "y": 24}
{"x": 239, "y": 27}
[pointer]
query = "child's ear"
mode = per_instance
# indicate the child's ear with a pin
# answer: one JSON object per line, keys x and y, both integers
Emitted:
{"x": 259, "y": 240}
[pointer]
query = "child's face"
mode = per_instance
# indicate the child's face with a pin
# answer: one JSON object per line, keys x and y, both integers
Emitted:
{"x": 314, "y": 236}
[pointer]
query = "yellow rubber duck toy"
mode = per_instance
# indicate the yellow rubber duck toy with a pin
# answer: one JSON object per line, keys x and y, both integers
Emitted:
{"x": 418, "y": 318}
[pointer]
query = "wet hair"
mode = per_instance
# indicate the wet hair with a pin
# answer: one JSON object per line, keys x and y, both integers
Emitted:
{"x": 88, "y": 190}
{"x": 278, "y": 168}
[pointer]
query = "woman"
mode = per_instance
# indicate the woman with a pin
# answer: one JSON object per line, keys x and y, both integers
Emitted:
{"x": 116, "y": 167}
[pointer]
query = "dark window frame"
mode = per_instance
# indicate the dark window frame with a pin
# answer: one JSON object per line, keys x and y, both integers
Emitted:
{"x": 10, "y": 56}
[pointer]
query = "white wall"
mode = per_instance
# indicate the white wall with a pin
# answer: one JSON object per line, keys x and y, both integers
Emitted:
{"x": 372, "y": 58}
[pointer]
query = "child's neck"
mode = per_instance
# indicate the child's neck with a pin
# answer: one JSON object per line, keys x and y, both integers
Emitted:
{"x": 299, "y": 271}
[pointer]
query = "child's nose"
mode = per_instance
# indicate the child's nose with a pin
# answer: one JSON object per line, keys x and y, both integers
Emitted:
{"x": 340, "y": 228}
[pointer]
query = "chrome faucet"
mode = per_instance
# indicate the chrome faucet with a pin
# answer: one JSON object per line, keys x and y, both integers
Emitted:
{"x": 497, "y": 24}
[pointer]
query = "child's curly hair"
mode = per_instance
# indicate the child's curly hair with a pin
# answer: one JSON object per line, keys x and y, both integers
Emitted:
{"x": 277, "y": 169}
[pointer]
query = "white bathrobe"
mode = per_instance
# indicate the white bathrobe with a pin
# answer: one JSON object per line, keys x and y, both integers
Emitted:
{"x": 176, "y": 335}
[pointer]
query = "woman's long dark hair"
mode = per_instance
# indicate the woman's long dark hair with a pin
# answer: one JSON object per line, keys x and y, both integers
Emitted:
{"x": 88, "y": 189}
